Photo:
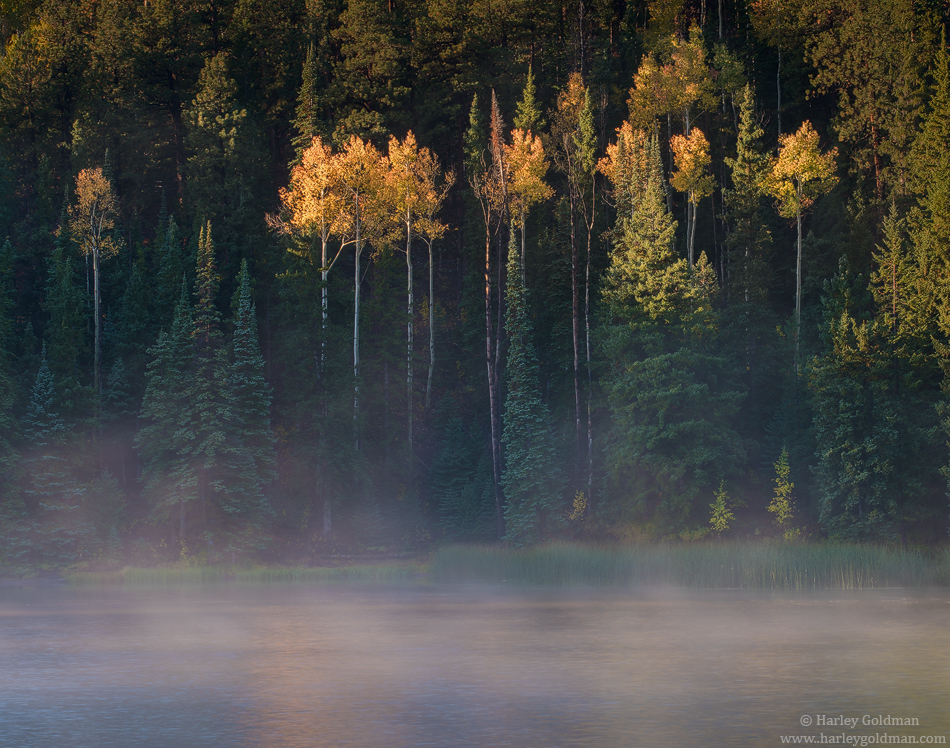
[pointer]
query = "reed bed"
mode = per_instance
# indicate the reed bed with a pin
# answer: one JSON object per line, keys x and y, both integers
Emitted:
{"x": 769, "y": 566}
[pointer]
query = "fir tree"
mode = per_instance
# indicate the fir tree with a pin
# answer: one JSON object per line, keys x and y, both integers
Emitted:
{"x": 307, "y": 121}
{"x": 528, "y": 116}
{"x": 531, "y": 476}
{"x": 168, "y": 273}
{"x": 163, "y": 439}
{"x": 249, "y": 454}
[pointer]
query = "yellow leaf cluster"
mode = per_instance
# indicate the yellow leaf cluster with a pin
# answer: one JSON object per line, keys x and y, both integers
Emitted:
{"x": 801, "y": 172}
{"x": 691, "y": 156}
{"x": 93, "y": 216}
{"x": 526, "y": 169}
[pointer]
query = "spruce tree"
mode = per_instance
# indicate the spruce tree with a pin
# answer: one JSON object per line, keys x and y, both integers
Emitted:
{"x": 168, "y": 273}
{"x": 529, "y": 116}
{"x": 207, "y": 391}
{"x": 249, "y": 454}
{"x": 531, "y": 478}
{"x": 307, "y": 121}
{"x": 164, "y": 437}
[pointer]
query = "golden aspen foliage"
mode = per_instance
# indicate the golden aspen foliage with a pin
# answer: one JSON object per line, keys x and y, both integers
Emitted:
{"x": 526, "y": 169}
{"x": 93, "y": 217}
{"x": 691, "y": 157}
{"x": 801, "y": 172}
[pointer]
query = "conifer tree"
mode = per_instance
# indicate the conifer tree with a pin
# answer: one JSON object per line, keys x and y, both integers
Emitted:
{"x": 528, "y": 115}
{"x": 531, "y": 477}
{"x": 163, "y": 439}
{"x": 249, "y": 454}
{"x": 748, "y": 238}
{"x": 224, "y": 160}
{"x": 170, "y": 268}
{"x": 207, "y": 391}
{"x": 670, "y": 390}
{"x": 52, "y": 495}
{"x": 307, "y": 120}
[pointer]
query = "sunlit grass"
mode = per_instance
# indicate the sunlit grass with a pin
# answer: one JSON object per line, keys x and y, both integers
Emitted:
{"x": 771, "y": 566}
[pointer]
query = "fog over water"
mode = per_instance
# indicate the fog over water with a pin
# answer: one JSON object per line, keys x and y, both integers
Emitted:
{"x": 302, "y": 665}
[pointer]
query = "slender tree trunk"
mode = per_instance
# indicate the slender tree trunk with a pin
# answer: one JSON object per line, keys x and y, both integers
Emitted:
{"x": 798, "y": 279}
{"x": 575, "y": 325}
{"x": 97, "y": 365}
{"x": 492, "y": 390}
{"x": 590, "y": 388}
{"x": 324, "y": 272}
{"x": 409, "y": 310}
{"x": 356, "y": 330}
{"x": 778, "y": 92}
{"x": 431, "y": 328}
{"x": 692, "y": 232}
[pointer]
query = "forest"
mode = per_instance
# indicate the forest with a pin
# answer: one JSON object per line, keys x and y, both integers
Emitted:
{"x": 301, "y": 277}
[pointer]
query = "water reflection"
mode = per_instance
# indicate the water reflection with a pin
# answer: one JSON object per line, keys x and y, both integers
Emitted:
{"x": 283, "y": 666}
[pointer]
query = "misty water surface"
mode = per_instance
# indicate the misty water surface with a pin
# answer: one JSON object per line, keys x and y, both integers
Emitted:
{"x": 334, "y": 666}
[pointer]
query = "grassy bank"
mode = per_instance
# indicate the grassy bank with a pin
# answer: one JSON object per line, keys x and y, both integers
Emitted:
{"x": 381, "y": 573}
{"x": 769, "y": 566}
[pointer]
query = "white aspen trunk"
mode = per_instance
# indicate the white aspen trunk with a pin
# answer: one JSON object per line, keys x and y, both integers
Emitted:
{"x": 492, "y": 391}
{"x": 324, "y": 272}
{"x": 97, "y": 365}
{"x": 431, "y": 328}
{"x": 356, "y": 329}
{"x": 409, "y": 326}
{"x": 798, "y": 275}
{"x": 590, "y": 386}
{"x": 692, "y": 230}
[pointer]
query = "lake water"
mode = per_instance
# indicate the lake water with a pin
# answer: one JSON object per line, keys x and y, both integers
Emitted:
{"x": 286, "y": 665}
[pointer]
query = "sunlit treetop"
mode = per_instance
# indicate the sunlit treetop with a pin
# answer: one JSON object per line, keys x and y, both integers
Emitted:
{"x": 801, "y": 172}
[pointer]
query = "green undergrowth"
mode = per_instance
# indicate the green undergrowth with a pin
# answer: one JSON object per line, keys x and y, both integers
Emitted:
{"x": 769, "y": 566}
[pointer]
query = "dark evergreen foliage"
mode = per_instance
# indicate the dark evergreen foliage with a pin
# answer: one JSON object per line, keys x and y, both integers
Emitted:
{"x": 221, "y": 429}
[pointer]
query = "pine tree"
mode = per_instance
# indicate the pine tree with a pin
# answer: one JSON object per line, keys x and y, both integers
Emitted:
{"x": 748, "y": 238}
{"x": 224, "y": 161}
{"x": 53, "y": 497}
{"x": 67, "y": 347}
{"x": 531, "y": 477}
{"x": 168, "y": 273}
{"x": 670, "y": 390}
{"x": 307, "y": 120}
{"x": 249, "y": 454}
{"x": 528, "y": 116}
{"x": 163, "y": 439}
{"x": 858, "y": 419}
{"x": 207, "y": 392}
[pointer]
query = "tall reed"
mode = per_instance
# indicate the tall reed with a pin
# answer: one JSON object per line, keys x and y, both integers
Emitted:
{"x": 773, "y": 566}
